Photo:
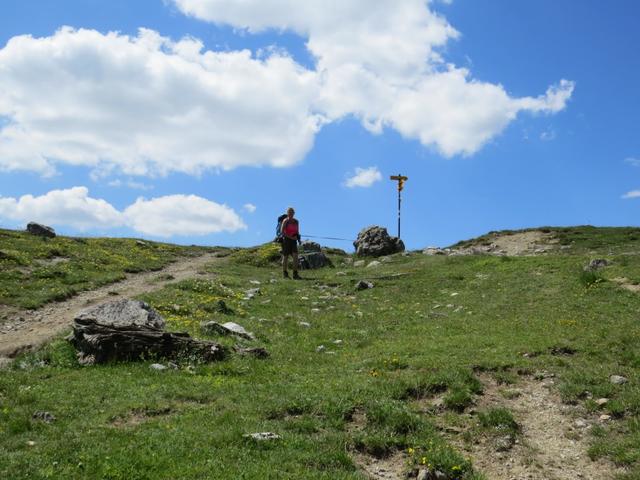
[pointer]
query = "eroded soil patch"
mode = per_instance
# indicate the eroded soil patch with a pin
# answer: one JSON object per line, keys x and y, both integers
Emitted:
{"x": 553, "y": 441}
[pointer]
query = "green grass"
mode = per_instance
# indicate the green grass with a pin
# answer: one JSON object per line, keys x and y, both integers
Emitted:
{"x": 35, "y": 270}
{"x": 386, "y": 349}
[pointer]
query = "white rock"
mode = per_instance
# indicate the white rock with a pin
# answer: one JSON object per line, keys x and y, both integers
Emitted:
{"x": 618, "y": 379}
{"x": 304, "y": 324}
{"x": 263, "y": 436}
{"x": 358, "y": 263}
{"x": 373, "y": 264}
{"x": 157, "y": 366}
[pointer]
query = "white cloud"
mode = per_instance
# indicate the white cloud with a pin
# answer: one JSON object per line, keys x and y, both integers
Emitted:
{"x": 381, "y": 63}
{"x": 146, "y": 105}
{"x": 72, "y": 207}
{"x": 548, "y": 135}
{"x": 173, "y": 215}
{"x": 363, "y": 177}
{"x": 631, "y": 194}
{"x": 633, "y": 161}
{"x": 182, "y": 215}
{"x": 129, "y": 183}
{"x": 249, "y": 207}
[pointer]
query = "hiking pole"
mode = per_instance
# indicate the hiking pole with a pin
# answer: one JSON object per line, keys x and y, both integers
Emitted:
{"x": 401, "y": 179}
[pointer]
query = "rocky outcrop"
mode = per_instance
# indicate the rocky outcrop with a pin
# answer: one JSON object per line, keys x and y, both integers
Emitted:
{"x": 131, "y": 330}
{"x": 311, "y": 256}
{"x": 374, "y": 241}
{"x": 40, "y": 230}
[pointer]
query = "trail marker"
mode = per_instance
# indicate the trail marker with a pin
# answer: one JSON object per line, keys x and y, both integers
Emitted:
{"x": 400, "y": 179}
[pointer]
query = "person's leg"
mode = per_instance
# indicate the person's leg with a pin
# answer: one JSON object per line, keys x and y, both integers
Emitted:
{"x": 294, "y": 256}
{"x": 285, "y": 258}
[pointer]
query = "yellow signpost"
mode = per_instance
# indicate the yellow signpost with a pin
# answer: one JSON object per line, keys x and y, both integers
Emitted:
{"x": 400, "y": 179}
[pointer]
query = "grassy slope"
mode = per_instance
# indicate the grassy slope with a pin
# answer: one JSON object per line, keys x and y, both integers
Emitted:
{"x": 127, "y": 421}
{"x": 34, "y": 270}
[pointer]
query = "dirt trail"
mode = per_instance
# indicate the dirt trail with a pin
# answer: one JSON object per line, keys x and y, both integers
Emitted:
{"x": 26, "y": 329}
{"x": 553, "y": 442}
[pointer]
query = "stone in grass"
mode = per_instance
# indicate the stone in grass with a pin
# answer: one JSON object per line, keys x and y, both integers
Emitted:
{"x": 597, "y": 264}
{"x": 428, "y": 474}
{"x": 601, "y": 402}
{"x": 46, "y": 417}
{"x": 373, "y": 264}
{"x": 504, "y": 443}
{"x": 359, "y": 263}
{"x": 363, "y": 285}
{"x": 40, "y": 230}
{"x": 257, "y": 352}
{"x": 618, "y": 379}
{"x": 131, "y": 330}
{"x": 251, "y": 293}
{"x": 262, "y": 436}
{"x": 229, "y": 328}
{"x": 157, "y": 366}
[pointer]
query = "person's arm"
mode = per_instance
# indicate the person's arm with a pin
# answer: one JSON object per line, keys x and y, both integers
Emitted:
{"x": 299, "y": 238}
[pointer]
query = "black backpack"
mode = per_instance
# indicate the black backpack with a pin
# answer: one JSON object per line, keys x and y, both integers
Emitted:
{"x": 278, "y": 238}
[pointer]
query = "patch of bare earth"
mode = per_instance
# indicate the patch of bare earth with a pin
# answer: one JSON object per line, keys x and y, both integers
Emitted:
{"x": 138, "y": 416}
{"x": 23, "y": 330}
{"x": 392, "y": 467}
{"x": 553, "y": 441}
{"x": 524, "y": 243}
{"x": 625, "y": 283}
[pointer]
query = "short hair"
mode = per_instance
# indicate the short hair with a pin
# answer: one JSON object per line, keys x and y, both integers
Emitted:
{"x": 291, "y": 209}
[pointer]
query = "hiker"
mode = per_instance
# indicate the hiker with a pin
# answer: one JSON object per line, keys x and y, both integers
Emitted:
{"x": 290, "y": 232}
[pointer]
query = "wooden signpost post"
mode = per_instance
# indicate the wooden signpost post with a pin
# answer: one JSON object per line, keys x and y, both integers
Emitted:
{"x": 400, "y": 179}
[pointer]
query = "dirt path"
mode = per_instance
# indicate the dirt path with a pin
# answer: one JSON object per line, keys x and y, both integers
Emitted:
{"x": 26, "y": 329}
{"x": 553, "y": 442}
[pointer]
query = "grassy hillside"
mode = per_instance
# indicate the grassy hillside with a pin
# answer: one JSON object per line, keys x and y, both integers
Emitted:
{"x": 35, "y": 270}
{"x": 431, "y": 329}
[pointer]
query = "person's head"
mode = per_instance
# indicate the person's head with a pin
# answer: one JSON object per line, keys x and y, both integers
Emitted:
{"x": 290, "y": 212}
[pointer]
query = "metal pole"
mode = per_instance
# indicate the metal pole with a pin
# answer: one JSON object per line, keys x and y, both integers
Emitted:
{"x": 399, "y": 201}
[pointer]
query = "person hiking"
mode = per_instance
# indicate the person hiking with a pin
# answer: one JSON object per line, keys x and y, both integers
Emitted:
{"x": 290, "y": 231}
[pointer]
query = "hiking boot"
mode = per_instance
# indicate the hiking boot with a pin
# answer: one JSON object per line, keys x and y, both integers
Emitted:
{"x": 286, "y": 275}
{"x": 296, "y": 276}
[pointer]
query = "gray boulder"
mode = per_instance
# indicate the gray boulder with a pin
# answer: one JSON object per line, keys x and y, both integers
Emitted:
{"x": 123, "y": 313}
{"x": 40, "y": 230}
{"x": 131, "y": 330}
{"x": 313, "y": 260}
{"x": 374, "y": 241}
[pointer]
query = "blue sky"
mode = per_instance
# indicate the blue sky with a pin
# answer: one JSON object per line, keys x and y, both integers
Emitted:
{"x": 502, "y": 114}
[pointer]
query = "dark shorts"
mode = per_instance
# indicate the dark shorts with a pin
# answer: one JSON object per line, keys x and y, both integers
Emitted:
{"x": 289, "y": 246}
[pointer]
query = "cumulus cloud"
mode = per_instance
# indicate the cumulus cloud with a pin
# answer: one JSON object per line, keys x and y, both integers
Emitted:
{"x": 363, "y": 177}
{"x": 381, "y": 62}
{"x": 147, "y": 105}
{"x": 632, "y": 194}
{"x": 249, "y": 207}
{"x": 72, "y": 207}
{"x": 167, "y": 216}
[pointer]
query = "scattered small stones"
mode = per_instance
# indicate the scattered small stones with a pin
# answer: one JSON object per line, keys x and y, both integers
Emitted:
{"x": 618, "y": 379}
{"x": 363, "y": 285}
{"x": 320, "y": 348}
{"x": 46, "y": 417}
{"x": 262, "y": 436}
